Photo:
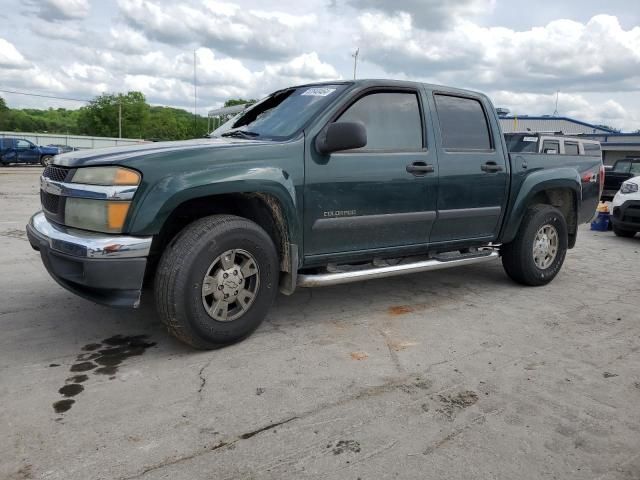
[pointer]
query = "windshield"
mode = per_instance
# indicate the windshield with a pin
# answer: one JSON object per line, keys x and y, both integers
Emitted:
{"x": 283, "y": 113}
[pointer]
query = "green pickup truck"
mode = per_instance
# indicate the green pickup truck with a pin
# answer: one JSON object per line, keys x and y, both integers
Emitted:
{"x": 314, "y": 185}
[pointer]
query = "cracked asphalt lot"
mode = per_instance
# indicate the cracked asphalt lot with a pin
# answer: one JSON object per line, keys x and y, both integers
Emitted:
{"x": 453, "y": 374}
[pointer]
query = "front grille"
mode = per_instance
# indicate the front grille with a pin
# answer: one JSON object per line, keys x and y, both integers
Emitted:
{"x": 55, "y": 173}
{"x": 50, "y": 202}
{"x": 632, "y": 214}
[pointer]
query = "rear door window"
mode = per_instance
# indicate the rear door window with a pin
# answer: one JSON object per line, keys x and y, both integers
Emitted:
{"x": 521, "y": 143}
{"x": 571, "y": 148}
{"x": 463, "y": 123}
{"x": 392, "y": 119}
{"x": 551, "y": 147}
{"x": 635, "y": 168}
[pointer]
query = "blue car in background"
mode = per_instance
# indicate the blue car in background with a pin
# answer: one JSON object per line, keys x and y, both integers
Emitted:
{"x": 20, "y": 150}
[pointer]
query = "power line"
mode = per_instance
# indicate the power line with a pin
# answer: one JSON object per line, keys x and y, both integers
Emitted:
{"x": 44, "y": 96}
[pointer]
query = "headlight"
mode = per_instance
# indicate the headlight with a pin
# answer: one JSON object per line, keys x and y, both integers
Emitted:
{"x": 106, "y": 176}
{"x": 98, "y": 215}
{"x": 629, "y": 187}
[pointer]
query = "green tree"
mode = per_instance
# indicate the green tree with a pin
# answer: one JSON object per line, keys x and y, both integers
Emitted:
{"x": 102, "y": 116}
{"x": 238, "y": 101}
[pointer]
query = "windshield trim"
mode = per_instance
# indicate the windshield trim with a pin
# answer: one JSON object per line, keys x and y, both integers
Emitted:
{"x": 305, "y": 125}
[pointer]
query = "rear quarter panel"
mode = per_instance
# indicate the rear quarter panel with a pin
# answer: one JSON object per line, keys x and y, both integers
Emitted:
{"x": 533, "y": 173}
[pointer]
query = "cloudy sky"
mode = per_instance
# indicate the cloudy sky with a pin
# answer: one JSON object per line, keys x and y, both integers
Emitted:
{"x": 520, "y": 52}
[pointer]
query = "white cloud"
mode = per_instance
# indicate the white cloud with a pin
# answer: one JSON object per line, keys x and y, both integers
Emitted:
{"x": 251, "y": 47}
{"x": 429, "y": 14}
{"x": 223, "y": 78}
{"x": 306, "y": 67}
{"x": 286, "y": 19}
{"x": 52, "y": 10}
{"x": 564, "y": 54}
{"x": 127, "y": 40}
{"x": 571, "y": 105}
{"x": 10, "y": 57}
{"x": 226, "y": 27}
{"x": 61, "y": 31}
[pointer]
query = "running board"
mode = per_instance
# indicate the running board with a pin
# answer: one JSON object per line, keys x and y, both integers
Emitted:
{"x": 326, "y": 279}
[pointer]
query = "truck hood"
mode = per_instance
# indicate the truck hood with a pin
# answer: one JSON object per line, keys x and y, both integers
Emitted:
{"x": 131, "y": 153}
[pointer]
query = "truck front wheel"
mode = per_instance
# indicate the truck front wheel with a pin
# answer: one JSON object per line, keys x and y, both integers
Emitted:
{"x": 216, "y": 281}
{"x": 537, "y": 253}
{"x": 46, "y": 160}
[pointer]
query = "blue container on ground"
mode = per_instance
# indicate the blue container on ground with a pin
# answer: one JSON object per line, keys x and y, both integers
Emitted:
{"x": 601, "y": 223}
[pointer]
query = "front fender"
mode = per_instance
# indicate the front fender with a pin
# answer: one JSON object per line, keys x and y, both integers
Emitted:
{"x": 152, "y": 210}
{"x": 524, "y": 189}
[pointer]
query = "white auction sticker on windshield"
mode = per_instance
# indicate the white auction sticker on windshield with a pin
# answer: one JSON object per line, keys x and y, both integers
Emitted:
{"x": 530, "y": 139}
{"x": 318, "y": 92}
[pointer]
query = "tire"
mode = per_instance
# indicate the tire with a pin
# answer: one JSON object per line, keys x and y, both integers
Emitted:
{"x": 46, "y": 160}
{"x": 519, "y": 259}
{"x": 196, "y": 253}
{"x": 624, "y": 233}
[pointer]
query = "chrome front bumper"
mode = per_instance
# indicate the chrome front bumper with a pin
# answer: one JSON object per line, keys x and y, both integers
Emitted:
{"x": 107, "y": 269}
{"x": 84, "y": 244}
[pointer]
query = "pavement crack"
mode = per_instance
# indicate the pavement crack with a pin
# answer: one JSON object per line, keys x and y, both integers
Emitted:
{"x": 405, "y": 382}
{"x": 217, "y": 446}
{"x": 392, "y": 353}
{"x": 175, "y": 460}
{"x": 477, "y": 420}
{"x": 203, "y": 378}
{"x": 244, "y": 436}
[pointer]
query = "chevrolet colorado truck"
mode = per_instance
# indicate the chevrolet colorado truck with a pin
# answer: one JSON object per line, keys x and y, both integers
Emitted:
{"x": 315, "y": 185}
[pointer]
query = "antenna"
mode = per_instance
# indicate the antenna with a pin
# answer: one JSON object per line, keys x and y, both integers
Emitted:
{"x": 555, "y": 112}
{"x": 355, "y": 61}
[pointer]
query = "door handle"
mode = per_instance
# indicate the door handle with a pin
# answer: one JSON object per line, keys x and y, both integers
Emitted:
{"x": 491, "y": 167}
{"x": 419, "y": 169}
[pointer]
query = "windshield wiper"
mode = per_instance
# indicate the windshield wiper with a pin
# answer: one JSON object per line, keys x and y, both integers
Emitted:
{"x": 240, "y": 134}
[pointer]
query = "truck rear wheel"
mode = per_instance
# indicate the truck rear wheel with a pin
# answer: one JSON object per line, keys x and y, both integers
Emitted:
{"x": 537, "y": 253}
{"x": 216, "y": 281}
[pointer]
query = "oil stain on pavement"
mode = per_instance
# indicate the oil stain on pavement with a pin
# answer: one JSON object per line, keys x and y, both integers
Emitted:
{"x": 104, "y": 358}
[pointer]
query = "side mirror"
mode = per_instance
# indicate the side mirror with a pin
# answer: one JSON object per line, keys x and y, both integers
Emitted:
{"x": 341, "y": 136}
{"x": 32, "y": 146}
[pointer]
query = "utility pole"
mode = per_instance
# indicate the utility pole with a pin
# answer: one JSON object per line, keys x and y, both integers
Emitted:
{"x": 555, "y": 112}
{"x": 119, "y": 117}
{"x": 355, "y": 61}
{"x": 195, "y": 97}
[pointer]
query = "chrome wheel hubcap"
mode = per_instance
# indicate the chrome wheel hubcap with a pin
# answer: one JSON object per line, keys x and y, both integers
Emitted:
{"x": 545, "y": 246}
{"x": 230, "y": 285}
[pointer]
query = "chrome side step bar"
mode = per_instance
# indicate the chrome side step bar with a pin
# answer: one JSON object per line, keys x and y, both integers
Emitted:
{"x": 326, "y": 279}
